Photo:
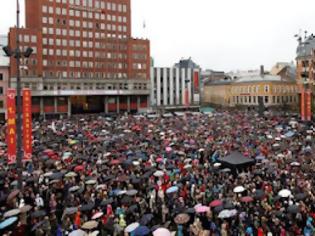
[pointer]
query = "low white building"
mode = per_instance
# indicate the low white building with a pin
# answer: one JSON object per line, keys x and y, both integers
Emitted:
{"x": 173, "y": 87}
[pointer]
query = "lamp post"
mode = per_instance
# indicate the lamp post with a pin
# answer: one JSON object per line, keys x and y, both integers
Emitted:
{"x": 18, "y": 54}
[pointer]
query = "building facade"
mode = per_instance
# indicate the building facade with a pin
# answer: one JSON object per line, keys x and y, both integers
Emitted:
{"x": 305, "y": 75}
{"x": 246, "y": 92}
{"x": 84, "y": 58}
{"x": 174, "y": 87}
{"x": 4, "y": 77}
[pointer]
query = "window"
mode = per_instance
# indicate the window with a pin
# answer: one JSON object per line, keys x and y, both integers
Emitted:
{"x": 51, "y": 10}
{"x": 266, "y": 99}
{"x": 1, "y": 76}
{"x": 44, "y": 20}
{"x": 1, "y": 104}
{"x": 266, "y": 88}
{"x": 33, "y": 38}
{"x": 44, "y": 9}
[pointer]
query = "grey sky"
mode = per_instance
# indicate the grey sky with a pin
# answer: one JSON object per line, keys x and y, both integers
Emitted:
{"x": 217, "y": 34}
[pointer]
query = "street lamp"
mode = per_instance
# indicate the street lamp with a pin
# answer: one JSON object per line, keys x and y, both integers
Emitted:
{"x": 18, "y": 54}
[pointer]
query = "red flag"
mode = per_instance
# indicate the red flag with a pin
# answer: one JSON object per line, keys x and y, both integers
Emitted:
{"x": 308, "y": 105}
{"x": 27, "y": 124}
{"x": 302, "y": 104}
{"x": 11, "y": 126}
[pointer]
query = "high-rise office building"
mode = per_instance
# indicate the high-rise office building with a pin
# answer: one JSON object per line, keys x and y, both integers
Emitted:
{"x": 84, "y": 58}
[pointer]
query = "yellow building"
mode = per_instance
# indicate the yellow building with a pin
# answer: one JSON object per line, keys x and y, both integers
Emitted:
{"x": 245, "y": 91}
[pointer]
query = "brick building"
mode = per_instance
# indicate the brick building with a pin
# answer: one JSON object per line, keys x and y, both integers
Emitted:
{"x": 84, "y": 58}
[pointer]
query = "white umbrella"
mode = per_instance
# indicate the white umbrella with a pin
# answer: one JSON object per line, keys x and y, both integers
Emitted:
{"x": 158, "y": 173}
{"x": 90, "y": 182}
{"x": 295, "y": 164}
{"x": 70, "y": 174}
{"x": 11, "y": 213}
{"x": 239, "y": 189}
{"x": 224, "y": 214}
{"x": 217, "y": 164}
{"x": 132, "y": 227}
{"x": 284, "y": 193}
{"x": 90, "y": 225}
{"x": 94, "y": 233}
{"x": 161, "y": 232}
{"x": 78, "y": 232}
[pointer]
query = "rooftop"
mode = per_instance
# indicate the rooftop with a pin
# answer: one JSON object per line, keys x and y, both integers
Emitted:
{"x": 305, "y": 47}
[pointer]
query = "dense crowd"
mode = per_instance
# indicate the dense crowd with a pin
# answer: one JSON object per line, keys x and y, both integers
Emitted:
{"x": 134, "y": 175}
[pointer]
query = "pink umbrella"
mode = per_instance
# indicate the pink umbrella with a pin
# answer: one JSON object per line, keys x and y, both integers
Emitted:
{"x": 215, "y": 203}
{"x": 160, "y": 159}
{"x": 247, "y": 199}
{"x": 202, "y": 209}
{"x": 168, "y": 149}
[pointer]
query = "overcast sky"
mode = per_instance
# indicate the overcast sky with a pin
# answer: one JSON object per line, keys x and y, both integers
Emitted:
{"x": 217, "y": 34}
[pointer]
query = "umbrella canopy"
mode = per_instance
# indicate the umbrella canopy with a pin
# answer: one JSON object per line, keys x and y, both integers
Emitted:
{"x": 87, "y": 207}
{"x": 259, "y": 194}
{"x": 182, "y": 218}
{"x": 293, "y": 209}
{"x": 285, "y": 193}
{"x": 25, "y": 208}
{"x": 4, "y": 224}
{"x": 161, "y": 232}
{"x": 12, "y": 195}
{"x": 70, "y": 174}
{"x": 247, "y": 199}
{"x": 202, "y": 209}
{"x": 141, "y": 231}
{"x": 97, "y": 215}
{"x": 146, "y": 219}
{"x": 131, "y": 192}
{"x": 90, "y": 225}
{"x": 78, "y": 232}
{"x": 11, "y": 213}
{"x": 215, "y": 203}
{"x": 239, "y": 189}
{"x": 71, "y": 210}
{"x": 130, "y": 228}
{"x": 74, "y": 188}
{"x": 39, "y": 213}
{"x": 300, "y": 196}
{"x": 172, "y": 189}
{"x": 158, "y": 173}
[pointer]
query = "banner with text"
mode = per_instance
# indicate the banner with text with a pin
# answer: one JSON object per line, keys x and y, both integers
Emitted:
{"x": 27, "y": 124}
{"x": 11, "y": 126}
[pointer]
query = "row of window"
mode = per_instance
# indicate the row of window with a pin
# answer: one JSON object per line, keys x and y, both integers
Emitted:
{"x": 85, "y": 3}
{"x": 252, "y": 100}
{"x": 255, "y": 89}
{"x": 84, "y": 75}
{"x": 26, "y": 38}
{"x": 89, "y": 54}
{"x": 77, "y": 33}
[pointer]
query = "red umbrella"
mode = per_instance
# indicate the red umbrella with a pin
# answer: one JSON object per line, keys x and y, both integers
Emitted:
{"x": 216, "y": 203}
{"x": 115, "y": 162}
{"x": 79, "y": 168}
{"x": 247, "y": 199}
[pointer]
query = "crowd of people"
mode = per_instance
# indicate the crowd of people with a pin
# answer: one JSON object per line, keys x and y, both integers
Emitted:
{"x": 163, "y": 175}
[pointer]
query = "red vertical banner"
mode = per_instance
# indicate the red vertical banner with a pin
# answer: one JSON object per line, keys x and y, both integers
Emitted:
{"x": 27, "y": 124}
{"x": 186, "y": 97}
{"x": 196, "y": 82}
{"x": 308, "y": 105}
{"x": 302, "y": 104}
{"x": 11, "y": 126}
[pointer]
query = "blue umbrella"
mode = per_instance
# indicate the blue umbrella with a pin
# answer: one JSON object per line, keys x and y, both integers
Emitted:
{"x": 172, "y": 189}
{"x": 141, "y": 231}
{"x": 8, "y": 222}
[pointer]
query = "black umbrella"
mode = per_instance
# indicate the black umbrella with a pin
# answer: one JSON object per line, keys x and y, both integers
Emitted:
{"x": 293, "y": 209}
{"x": 217, "y": 209}
{"x": 57, "y": 175}
{"x": 228, "y": 205}
{"x": 37, "y": 225}
{"x": 132, "y": 208}
{"x": 37, "y": 214}
{"x": 190, "y": 210}
{"x": 300, "y": 196}
{"x": 146, "y": 219}
{"x": 126, "y": 200}
{"x": 259, "y": 194}
{"x": 87, "y": 207}
{"x": 107, "y": 201}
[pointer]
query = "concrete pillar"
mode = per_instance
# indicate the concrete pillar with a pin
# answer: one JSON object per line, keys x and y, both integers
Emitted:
{"x": 128, "y": 103}
{"x": 41, "y": 106}
{"x": 106, "y": 104}
{"x": 55, "y": 105}
{"x": 117, "y": 104}
{"x": 69, "y": 107}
